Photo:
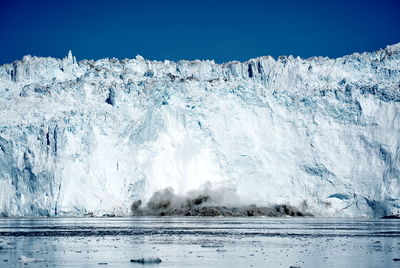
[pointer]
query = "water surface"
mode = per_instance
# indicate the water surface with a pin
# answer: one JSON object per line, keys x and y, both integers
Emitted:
{"x": 199, "y": 242}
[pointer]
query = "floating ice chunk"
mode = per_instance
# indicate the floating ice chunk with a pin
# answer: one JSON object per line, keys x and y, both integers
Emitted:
{"x": 212, "y": 245}
{"x": 28, "y": 259}
{"x": 147, "y": 260}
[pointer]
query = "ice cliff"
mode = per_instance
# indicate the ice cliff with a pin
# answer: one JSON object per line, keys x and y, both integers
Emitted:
{"x": 319, "y": 134}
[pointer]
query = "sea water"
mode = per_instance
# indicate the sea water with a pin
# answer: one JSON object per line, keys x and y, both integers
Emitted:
{"x": 199, "y": 242}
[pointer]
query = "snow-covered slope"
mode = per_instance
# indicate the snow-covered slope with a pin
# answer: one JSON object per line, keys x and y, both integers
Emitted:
{"x": 93, "y": 136}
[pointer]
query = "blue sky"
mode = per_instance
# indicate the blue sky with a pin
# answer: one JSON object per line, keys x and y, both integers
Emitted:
{"x": 219, "y": 30}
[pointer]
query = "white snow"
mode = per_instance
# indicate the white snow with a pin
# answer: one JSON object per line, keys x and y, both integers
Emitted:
{"x": 93, "y": 136}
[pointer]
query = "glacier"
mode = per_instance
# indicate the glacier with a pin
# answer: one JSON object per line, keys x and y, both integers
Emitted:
{"x": 319, "y": 134}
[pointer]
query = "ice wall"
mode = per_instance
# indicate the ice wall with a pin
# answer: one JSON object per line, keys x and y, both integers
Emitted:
{"x": 93, "y": 136}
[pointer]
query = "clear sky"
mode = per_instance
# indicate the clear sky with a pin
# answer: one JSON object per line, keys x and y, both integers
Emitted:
{"x": 204, "y": 29}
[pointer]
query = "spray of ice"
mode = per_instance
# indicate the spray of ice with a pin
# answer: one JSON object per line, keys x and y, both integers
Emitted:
{"x": 207, "y": 201}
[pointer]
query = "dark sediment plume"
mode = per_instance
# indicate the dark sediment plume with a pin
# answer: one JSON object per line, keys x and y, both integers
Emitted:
{"x": 202, "y": 203}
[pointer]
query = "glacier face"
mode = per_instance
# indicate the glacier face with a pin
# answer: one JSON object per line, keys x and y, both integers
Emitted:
{"x": 93, "y": 136}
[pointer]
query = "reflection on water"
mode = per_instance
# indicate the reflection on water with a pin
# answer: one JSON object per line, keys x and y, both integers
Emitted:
{"x": 199, "y": 242}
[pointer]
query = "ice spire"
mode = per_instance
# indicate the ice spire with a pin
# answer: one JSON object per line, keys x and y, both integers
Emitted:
{"x": 70, "y": 58}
